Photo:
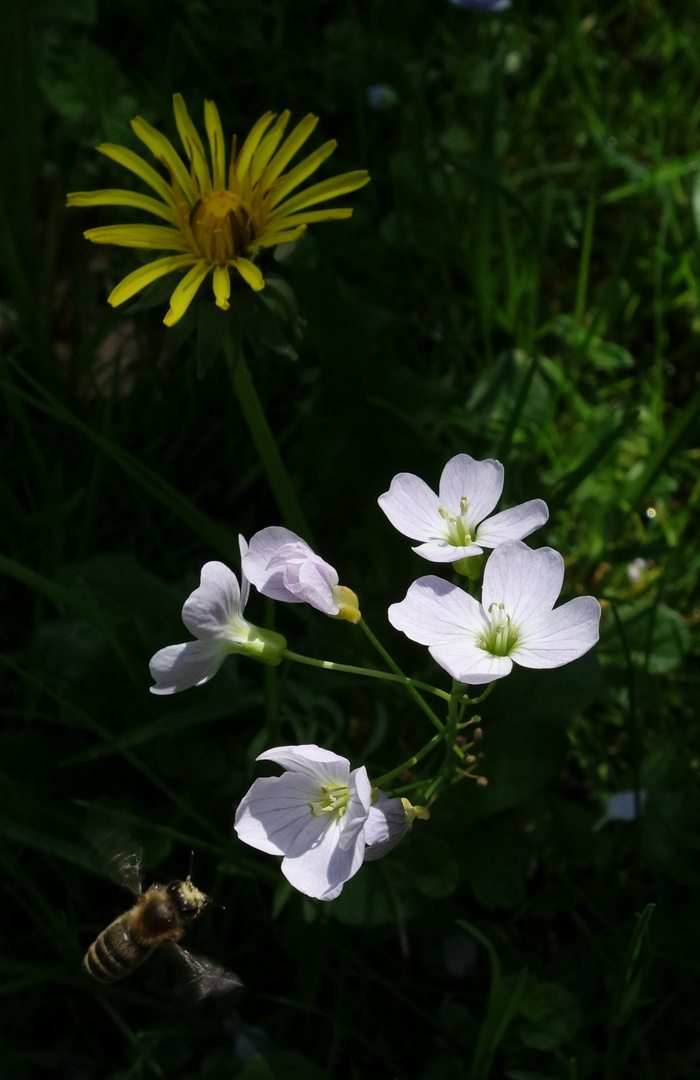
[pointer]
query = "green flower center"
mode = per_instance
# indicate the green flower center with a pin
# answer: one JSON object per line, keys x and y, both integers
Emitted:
{"x": 458, "y": 528}
{"x": 501, "y": 637}
{"x": 334, "y": 800}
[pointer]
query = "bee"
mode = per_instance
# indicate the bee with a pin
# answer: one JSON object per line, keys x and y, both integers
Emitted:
{"x": 157, "y": 921}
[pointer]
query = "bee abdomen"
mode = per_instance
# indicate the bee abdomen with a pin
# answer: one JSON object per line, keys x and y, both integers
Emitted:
{"x": 115, "y": 953}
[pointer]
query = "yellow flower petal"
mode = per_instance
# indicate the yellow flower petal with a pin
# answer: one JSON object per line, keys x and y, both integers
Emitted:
{"x": 327, "y": 189}
{"x": 294, "y": 141}
{"x": 122, "y": 197}
{"x": 164, "y": 151}
{"x": 268, "y": 146}
{"x": 185, "y": 292}
{"x": 217, "y": 146}
{"x": 218, "y": 216}
{"x": 139, "y": 236}
{"x": 303, "y": 169}
{"x": 280, "y": 237}
{"x": 250, "y": 273}
{"x": 251, "y": 144}
{"x": 336, "y": 213}
{"x": 139, "y": 279}
{"x": 136, "y": 164}
{"x": 194, "y": 148}
{"x": 222, "y": 287}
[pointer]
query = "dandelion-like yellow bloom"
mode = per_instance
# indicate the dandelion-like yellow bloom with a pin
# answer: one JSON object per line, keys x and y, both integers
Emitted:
{"x": 217, "y": 218}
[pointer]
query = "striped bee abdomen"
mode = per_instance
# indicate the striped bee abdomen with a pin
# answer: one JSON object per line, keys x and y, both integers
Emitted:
{"x": 116, "y": 952}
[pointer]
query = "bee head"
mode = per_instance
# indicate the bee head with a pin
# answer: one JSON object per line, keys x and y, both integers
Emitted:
{"x": 188, "y": 899}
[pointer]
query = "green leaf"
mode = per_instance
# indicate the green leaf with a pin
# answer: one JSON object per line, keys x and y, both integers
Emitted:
{"x": 551, "y": 1015}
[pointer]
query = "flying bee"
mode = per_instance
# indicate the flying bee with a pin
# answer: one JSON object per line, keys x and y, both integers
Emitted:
{"x": 157, "y": 921}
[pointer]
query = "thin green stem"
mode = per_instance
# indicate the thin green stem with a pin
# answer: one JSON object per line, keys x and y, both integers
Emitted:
{"x": 265, "y": 444}
{"x": 410, "y": 685}
{"x": 371, "y": 673}
{"x": 409, "y": 763}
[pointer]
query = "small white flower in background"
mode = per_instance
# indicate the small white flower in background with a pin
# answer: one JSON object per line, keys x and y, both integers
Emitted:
{"x": 454, "y": 524}
{"x": 622, "y": 806}
{"x": 636, "y": 570}
{"x": 479, "y": 642}
{"x": 214, "y": 614}
{"x": 388, "y": 822}
{"x": 314, "y": 815}
{"x": 282, "y": 566}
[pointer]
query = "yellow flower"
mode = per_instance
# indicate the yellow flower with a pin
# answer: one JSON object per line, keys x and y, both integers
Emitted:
{"x": 218, "y": 219}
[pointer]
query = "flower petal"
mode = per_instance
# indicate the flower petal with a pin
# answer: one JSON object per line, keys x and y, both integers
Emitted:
{"x": 245, "y": 584}
{"x": 282, "y": 566}
{"x": 480, "y": 481}
{"x": 314, "y": 585}
{"x": 144, "y": 275}
{"x": 560, "y": 636}
{"x": 526, "y": 582}
{"x": 217, "y": 145}
{"x": 249, "y": 272}
{"x": 139, "y": 236}
{"x": 434, "y": 612}
{"x": 123, "y": 197}
{"x": 513, "y": 524}
{"x": 327, "y": 189}
{"x": 357, "y": 809}
{"x": 333, "y": 213}
{"x": 294, "y": 141}
{"x": 272, "y": 239}
{"x": 163, "y": 150}
{"x": 412, "y": 508}
{"x": 386, "y": 826}
{"x": 467, "y": 663}
{"x": 267, "y": 146}
{"x": 185, "y": 292}
{"x": 208, "y": 610}
{"x": 320, "y": 870}
{"x": 310, "y": 760}
{"x": 275, "y": 811}
{"x": 250, "y": 145}
{"x": 443, "y": 551}
{"x": 300, "y": 172}
{"x": 135, "y": 164}
{"x": 177, "y": 667}
{"x": 222, "y": 287}
{"x": 191, "y": 141}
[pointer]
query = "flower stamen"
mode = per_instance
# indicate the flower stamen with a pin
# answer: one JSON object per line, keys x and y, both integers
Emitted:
{"x": 502, "y": 637}
{"x": 334, "y": 800}
{"x": 459, "y": 530}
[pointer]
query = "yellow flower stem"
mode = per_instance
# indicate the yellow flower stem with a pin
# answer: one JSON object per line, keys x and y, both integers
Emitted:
{"x": 264, "y": 440}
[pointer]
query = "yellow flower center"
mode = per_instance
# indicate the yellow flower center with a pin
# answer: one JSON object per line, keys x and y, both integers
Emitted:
{"x": 221, "y": 227}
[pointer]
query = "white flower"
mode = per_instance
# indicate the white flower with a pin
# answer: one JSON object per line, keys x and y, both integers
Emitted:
{"x": 454, "y": 524}
{"x": 282, "y": 566}
{"x": 388, "y": 822}
{"x": 623, "y": 806}
{"x": 478, "y": 642}
{"x": 314, "y": 815}
{"x": 214, "y": 614}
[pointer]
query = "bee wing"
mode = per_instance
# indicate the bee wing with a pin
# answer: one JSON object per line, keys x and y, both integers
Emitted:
{"x": 206, "y": 977}
{"x": 128, "y": 868}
